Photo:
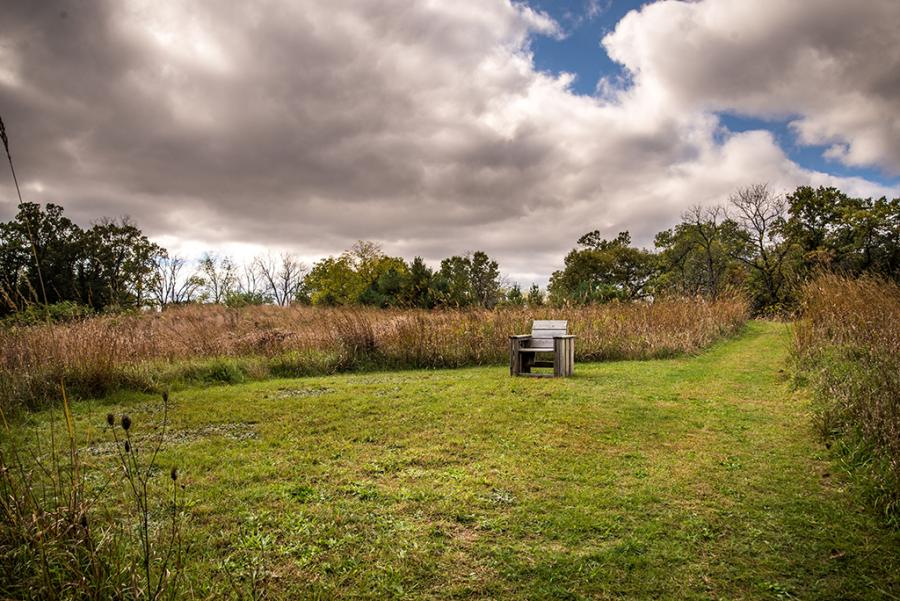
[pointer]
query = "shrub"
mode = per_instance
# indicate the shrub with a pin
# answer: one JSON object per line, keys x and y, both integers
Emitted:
{"x": 236, "y": 300}
{"x": 36, "y": 314}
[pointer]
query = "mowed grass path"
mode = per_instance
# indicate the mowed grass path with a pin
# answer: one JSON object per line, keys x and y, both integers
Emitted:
{"x": 698, "y": 477}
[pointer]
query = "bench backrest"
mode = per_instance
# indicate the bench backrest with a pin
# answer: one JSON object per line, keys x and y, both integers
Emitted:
{"x": 543, "y": 331}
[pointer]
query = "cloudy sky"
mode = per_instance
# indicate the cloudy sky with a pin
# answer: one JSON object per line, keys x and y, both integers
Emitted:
{"x": 438, "y": 127}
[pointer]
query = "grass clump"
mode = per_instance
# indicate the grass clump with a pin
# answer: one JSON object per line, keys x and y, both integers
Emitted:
{"x": 847, "y": 347}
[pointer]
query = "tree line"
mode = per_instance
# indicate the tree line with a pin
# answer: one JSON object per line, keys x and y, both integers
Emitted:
{"x": 758, "y": 243}
{"x": 761, "y": 244}
{"x": 48, "y": 260}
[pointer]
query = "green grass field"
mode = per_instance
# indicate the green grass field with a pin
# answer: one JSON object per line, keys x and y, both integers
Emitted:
{"x": 698, "y": 477}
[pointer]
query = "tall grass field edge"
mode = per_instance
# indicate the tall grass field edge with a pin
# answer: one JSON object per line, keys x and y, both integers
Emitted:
{"x": 847, "y": 349}
{"x": 213, "y": 343}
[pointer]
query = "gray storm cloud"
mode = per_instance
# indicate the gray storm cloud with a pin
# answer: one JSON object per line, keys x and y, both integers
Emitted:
{"x": 425, "y": 126}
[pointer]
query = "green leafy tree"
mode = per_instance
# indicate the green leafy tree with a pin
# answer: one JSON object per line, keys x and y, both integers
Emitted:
{"x": 470, "y": 280}
{"x": 40, "y": 256}
{"x": 361, "y": 275}
{"x": 111, "y": 264}
{"x": 485, "y": 276}
{"x": 535, "y": 296}
{"x": 334, "y": 281}
{"x": 695, "y": 257}
{"x": 514, "y": 296}
{"x": 603, "y": 270}
{"x": 380, "y": 276}
{"x": 387, "y": 289}
{"x": 835, "y": 232}
{"x": 454, "y": 282}
{"x": 116, "y": 265}
{"x": 417, "y": 289}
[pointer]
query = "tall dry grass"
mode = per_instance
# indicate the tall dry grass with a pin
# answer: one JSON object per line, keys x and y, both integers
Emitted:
{"x": 847, "y": 344}
{"x": 215, "y": 343}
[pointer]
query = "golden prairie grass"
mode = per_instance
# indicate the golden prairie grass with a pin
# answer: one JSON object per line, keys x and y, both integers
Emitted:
{"x": 212, "y": 342}
{"x": 847, "y": 344}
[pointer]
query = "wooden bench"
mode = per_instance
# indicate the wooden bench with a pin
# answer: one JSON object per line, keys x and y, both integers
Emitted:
{"x": 547, "y": 336}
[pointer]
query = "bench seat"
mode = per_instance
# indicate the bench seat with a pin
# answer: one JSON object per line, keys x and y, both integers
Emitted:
{"x": 547, "y": 336}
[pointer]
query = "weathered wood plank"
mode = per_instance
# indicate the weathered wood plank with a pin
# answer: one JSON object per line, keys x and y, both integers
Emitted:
{"x": 557, "y": 357}
{"x": 547, "y": 333}
{"x": 551, "y": 324}
{"x": 544, "y": 348}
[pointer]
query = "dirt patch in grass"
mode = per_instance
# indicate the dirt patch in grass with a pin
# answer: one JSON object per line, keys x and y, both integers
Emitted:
{"x": 232, "y": 431}
{"x": 299, "y": 392}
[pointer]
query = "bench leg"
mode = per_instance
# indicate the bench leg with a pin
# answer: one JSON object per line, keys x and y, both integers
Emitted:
{"x": 563, "y": 357}
{"x": 527, "y": 360}
{"x": 570, "y": 361}
{"x": 519, "y": 363}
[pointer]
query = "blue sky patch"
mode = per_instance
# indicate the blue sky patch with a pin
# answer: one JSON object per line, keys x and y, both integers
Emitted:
{"x": 809, "y": 157}
{"x": 584, "y": 22}
{"x": 580, "y": 52}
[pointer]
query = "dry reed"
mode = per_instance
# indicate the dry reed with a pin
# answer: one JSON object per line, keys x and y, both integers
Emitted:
{"x": 148, "y": 351}
{"x": 847, "y": 345}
